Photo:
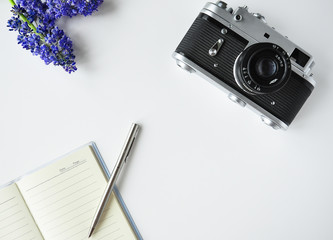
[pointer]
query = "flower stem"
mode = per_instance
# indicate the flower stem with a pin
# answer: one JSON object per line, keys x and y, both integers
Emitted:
{"x": 35, "y": 30}
{"x": 26, "y": 20}
{"x": 12, "y": 2}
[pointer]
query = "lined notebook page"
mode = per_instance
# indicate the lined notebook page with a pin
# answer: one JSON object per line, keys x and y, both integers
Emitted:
{"x": 16, "y": 222}
{"x": 64, "y": 196}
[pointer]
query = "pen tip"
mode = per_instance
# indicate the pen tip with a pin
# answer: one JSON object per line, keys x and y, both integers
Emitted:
{"x": 91, "y": 232}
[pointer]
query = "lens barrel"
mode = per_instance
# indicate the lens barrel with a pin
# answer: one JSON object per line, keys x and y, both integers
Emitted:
{"x": 262, "y": 68}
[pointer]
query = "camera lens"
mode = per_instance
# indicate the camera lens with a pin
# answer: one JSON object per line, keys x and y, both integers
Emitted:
{"x": 262, "y": 68}
{"x": 265, "y": 67}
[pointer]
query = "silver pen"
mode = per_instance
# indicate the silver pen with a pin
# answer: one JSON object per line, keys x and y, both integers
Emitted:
{"x": 114, "y": 175}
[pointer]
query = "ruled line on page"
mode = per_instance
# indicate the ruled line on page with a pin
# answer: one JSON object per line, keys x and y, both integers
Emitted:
{"x": 67, "y": 204}
{"x": 16, "y": 229}
{"x": 12, "y": 215}
{"x": 8, "y": 208}
{"x": 15, "y": 219}
{"x": 67, "y": 196}
{"x": 106, "y": 226}
{"x": 23, "y": 234}
{"x": 63, "y": 189}
{"x": 67, "y": 170}
{"x": 80, "y": 214}
{"x": 12, "y": 223}
{"x": 109, "y": 233}
{"x": 74, "y": 209}
{"x": 63, "y": 206}
{"x": 56, "y": 184}
{"x": 7, "y": 200}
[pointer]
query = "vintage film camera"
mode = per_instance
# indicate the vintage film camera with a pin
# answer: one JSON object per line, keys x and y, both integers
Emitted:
{"x": 257, "y": 66}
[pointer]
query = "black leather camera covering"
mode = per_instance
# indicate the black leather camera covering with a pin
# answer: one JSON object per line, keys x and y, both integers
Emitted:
{"x": 202, "y": 35}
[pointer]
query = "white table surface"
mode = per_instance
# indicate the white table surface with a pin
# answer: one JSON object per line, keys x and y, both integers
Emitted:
{"x": 203, "y": 167}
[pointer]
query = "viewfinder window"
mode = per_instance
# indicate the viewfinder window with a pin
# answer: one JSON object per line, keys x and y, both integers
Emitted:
{"x": 300, "y": 57}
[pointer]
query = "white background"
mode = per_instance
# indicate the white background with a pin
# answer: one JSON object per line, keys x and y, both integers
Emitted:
{"x": 203, "y": 167}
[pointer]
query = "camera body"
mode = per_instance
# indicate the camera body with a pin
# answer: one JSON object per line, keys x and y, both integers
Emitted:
{"x": 257, "y": 66}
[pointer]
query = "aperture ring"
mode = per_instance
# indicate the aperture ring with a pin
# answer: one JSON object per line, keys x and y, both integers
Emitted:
{"x": 246, "y": 72}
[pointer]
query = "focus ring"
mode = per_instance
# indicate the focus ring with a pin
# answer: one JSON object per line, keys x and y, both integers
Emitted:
{"x": 256, "y": 78}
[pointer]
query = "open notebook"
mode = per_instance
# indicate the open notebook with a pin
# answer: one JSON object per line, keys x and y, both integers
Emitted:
{"x": 58, "y": 202}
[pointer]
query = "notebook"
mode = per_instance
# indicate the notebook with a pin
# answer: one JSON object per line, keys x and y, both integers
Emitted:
{"x": 59, "y": 200}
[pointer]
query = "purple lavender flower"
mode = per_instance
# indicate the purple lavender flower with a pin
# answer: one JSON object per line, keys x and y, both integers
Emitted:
{"x": 72, "y": 8}
{"x": 34, "y": 20}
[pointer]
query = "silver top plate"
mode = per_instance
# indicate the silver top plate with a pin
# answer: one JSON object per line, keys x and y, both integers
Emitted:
{"x": 253, "y": 28}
